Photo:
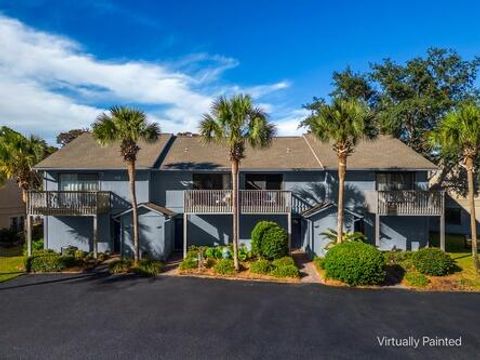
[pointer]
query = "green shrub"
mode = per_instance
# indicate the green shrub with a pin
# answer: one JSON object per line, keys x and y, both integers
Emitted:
{"x": 102, "y": 257}
{"x": 257, "y": 235}
{"x": 120, "y": 266}
{"x": 80, "y": 254}
{"x": 243, "y": 253}
{"x": 147, "y": 267}
{"x": 224, "y": 267}
{"x": 261, "y": 266}
{"x": 286, "y": 260}
{"x": 355, "y": 263}
{"x": 274, "y": 243}
{"x": 214, "y": 252}
{"x": 38, "y": 245}
{"x": 416, "y": 279}
{"x": 319, "y": 262}
{"x": 289, "y": 271}
{"x": 433, "y": 261}
{"x": 189, "y": 263}
{"x": 400, "y": 258}
{"x": 48, "y": 261}
{"x": 209, "y": 262}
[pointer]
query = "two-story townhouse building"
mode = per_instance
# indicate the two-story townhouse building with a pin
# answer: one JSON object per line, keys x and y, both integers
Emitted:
{"x": 184, "y": 192}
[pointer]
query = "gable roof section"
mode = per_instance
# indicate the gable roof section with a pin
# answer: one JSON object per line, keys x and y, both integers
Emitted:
{"x": 150, "y": 206}
{"x": 385, "y": 152}
{"x": 285, "y": 153}
{"x": 85, "y": 153}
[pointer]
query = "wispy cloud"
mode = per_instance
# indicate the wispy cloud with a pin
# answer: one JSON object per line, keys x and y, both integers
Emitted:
{"x": 49, "y": 83}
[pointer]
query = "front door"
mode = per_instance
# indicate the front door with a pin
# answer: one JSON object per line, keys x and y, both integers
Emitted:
{"x": 178, "y": 246}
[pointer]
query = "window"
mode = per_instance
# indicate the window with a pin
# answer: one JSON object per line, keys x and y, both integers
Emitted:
{"x": 263, "y": 181}
{"x": 79, "y": 182}
{"x": 211, "y": 181}
{"x": 453, "y": 216}
{"x": 387, "y": 181}
{"x": 16, "y": 223}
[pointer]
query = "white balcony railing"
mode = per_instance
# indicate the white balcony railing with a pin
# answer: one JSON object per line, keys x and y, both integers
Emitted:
{"x": 251, "y": 201}
{"x": 410, "y": 202}
{"x": 68, "y": 203}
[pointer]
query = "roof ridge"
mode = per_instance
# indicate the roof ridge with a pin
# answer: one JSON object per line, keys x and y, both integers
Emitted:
{"x": 313, "y": 152}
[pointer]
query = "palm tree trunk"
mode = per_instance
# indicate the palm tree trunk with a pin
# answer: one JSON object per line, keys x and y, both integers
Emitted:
{"x": 235, "y": 206}
{"x": 473, "y": 221}
{"x": 342, "y": 169}
{"x": 133, "y": 195}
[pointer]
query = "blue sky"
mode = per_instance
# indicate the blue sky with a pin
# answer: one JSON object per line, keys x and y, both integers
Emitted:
{"x": 63, "y": 62}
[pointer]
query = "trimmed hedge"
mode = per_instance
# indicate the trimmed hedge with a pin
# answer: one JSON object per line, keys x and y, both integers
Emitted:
{"x": 148, "y": 267}
{"x": 274, "y": 243}
{"x": 261, "y": 266}
{"x": 257, "y": 235}
{"x": 48, "y": 261}
{"x": 355, "y": 263}
{"x": 433, "y": 261}
{"x": 289, "y": 271}
{"x": 416, "y": 279}
{"x": 224, "y": 267}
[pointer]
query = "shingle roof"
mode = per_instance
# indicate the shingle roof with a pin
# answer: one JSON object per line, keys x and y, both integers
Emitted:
{"x": 85, "y": 153}
{"x": 385, "y": 152}
{"x": 190, "y": 152}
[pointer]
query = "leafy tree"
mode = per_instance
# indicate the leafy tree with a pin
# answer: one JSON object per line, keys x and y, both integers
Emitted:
{"x": 234, "y": 123}
{"x": 458, "y": 135}
{"x": 353, "y": 85}
{"x": 126, "y": 127}
{"x": 343, "y": 123}
{"x": 68, "y": 136}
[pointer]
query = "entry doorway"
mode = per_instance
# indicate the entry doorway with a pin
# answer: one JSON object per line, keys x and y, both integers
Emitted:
{"x": 178, "y": 243}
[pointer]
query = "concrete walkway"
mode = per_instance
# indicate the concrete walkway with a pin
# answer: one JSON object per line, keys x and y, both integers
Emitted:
{"x": 307, "y": 267}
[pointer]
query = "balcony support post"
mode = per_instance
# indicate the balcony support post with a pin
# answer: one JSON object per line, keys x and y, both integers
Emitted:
{"x": 442, "y": 232}
{"x": 95, "y": 237}
{"x": 289, "y": 231}
{"x": 29, "y": 234}
{"x": 377, "y": 230}
{"x": 185, "y": 221}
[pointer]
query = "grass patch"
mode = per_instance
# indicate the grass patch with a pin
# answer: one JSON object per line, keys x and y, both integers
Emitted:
{"x": 11, "y": 263}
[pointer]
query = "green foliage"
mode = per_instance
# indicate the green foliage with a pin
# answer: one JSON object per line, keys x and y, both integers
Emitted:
{"x": 344, "y": 122}
{"x": 331, "y": 235}
{"x": 48, "y": 261}
{"x": 355, "y": 263}
{"x": 433, "y": 261}
{"x": 257, "y": 235}
{"x": 102, "y": 257}
{"x": 38, "y": 245}
{"x": 224, "y": 267}
{"x": 261, "y": 266}
{"x": 120, "y": 266}
{"x": 189, "y": 263}
{"x": 400, "y": 258}
{"x": 243, "y": 253}
{"x": 274, "y": 243}
{"x": 148, "y": 267}
{"x": 286, "y": 260}
{"x": 416, "y": 279}
{"x": 319, "y": 262}
{"x": 214, "y": 252}
{"x": 80, "y": 254}
{"x": 193, "y": 252}
{"x": 67, "y": 137}
{"x": 286, "y": 271}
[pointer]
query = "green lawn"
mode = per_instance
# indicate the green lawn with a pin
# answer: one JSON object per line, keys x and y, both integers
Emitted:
{"x": 465, "y": 278}
{"x": 11, "y": 263}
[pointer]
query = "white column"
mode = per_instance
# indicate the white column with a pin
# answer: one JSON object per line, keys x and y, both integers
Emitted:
{"x": 29, "y": 234}
{"x": 442, "y": 232}
{"x": 289, "y": 226}
{"x": 95, "y": 237}
{"x": 185, "y": 220}
{"x": 377, "y": 229}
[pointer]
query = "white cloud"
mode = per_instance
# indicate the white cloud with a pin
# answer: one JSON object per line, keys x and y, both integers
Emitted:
{"x": 288, "y": 123}
{"x": 48, "y": 83}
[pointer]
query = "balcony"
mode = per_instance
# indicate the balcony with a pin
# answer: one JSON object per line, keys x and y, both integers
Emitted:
{"x": 68, "y": 203}
{"x": 251, "y": 201}
{"x": 410, "y": 203}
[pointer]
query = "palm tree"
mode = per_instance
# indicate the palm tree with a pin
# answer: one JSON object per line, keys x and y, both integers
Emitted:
{"x": 458, "y": 134}
{"x": 18, "y": 156}
{"x": 126, "y": 126}
{"x": 342, "y": 123}
{"x": 234, "y": 123}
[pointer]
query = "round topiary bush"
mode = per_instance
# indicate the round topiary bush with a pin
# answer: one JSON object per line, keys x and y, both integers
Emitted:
{"x": 257, "y": 235}
{"x": 355, "y": 263}
{"x": 433, "y": 261}
{"x": 274, "y": 243}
